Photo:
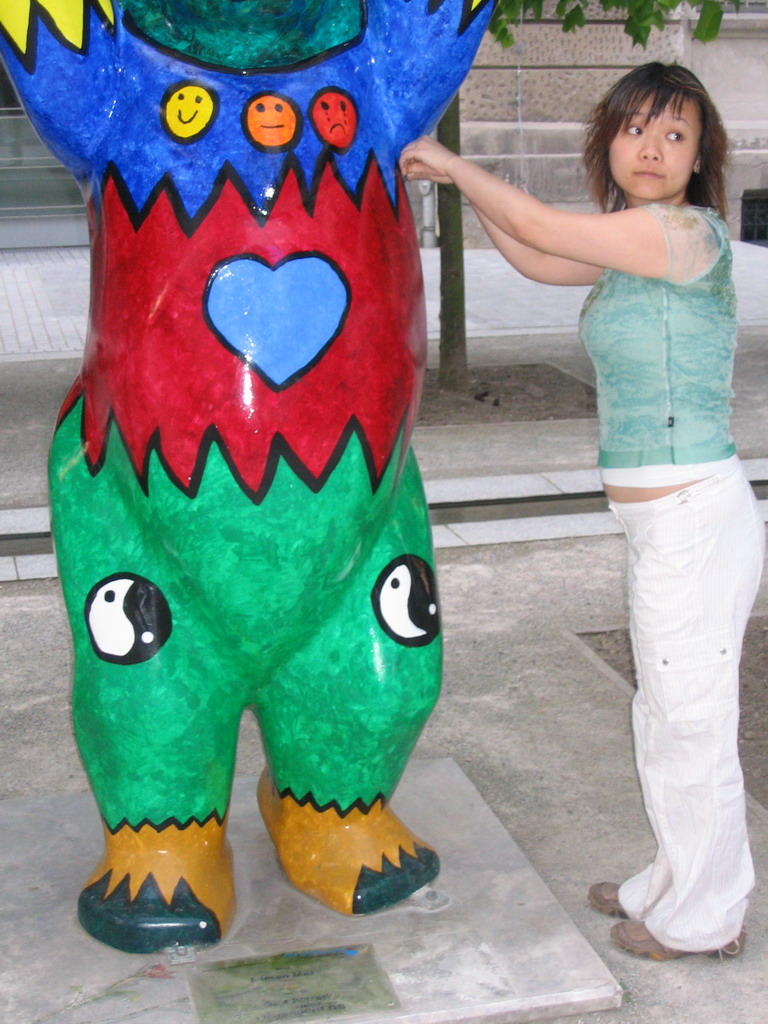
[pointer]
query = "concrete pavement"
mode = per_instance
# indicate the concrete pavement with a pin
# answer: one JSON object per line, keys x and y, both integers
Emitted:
{"x": 537, "y": 722}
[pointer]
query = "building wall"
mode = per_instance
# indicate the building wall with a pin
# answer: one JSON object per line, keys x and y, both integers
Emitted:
{"x": 735, "y": 70}
{"x": 559, "y": 77}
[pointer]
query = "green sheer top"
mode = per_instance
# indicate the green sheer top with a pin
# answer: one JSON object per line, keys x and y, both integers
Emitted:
{"x": 663, "y": 349}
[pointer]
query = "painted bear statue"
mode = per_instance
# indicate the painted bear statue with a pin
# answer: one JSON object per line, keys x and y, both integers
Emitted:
{"x": 238, "y": 517}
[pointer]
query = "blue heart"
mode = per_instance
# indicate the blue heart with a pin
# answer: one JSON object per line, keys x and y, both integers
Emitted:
{"x": 277, "y": 319}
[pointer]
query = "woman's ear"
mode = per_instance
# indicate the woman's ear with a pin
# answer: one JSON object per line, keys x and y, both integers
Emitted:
{"x": 697, "y": 165}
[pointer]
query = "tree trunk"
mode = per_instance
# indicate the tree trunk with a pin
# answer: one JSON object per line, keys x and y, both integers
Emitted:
{"x": 453, "y": 374}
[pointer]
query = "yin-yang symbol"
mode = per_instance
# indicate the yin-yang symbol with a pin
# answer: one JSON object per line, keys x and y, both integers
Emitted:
{"x": 128, "y": 618}
{"x": 405, "y": 601}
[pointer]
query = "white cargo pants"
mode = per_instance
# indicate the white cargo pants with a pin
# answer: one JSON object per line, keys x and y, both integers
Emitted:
{"x": 694, "y": 565}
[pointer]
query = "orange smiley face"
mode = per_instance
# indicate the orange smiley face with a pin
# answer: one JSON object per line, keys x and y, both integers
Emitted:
{"x": 334, "y": 116}
{"x": 272, "y": 122}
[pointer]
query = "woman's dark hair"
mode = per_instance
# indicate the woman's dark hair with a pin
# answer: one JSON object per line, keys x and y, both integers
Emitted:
{"x": 665, "y": 85}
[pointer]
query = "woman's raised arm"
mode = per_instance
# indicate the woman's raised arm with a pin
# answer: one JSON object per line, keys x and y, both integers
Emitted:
{"x": 581, "y": 243}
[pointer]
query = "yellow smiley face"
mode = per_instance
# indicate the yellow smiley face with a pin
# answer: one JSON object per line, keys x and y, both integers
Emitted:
{"x": 188, "y": 110}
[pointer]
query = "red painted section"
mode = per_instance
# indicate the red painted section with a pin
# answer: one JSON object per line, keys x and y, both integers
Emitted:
{"x": 153, "y": 362}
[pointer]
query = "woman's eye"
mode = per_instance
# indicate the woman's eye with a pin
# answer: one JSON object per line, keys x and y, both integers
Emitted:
{"x": 675, "y": 136}
{"x": 634, "y": 129}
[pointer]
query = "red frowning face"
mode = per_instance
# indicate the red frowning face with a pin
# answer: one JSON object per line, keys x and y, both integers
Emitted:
{"x": 334, "y": 116}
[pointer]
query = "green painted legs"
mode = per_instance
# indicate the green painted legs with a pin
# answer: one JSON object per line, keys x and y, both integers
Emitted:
{"x": 316, "y": 610}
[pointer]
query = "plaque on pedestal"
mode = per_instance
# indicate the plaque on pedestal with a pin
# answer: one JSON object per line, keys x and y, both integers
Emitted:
{"x": 293, "y": 988}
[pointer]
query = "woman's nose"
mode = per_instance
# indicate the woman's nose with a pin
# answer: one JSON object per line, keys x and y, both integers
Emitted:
{"x": 650, "y": 150}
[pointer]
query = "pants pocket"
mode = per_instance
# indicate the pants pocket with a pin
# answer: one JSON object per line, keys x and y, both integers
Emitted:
{"x": 672, "y": 538}
{"x": 691, "y": 675}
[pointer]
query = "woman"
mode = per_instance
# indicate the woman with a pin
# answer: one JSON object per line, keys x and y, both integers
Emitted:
{"x": 660, "y": 327}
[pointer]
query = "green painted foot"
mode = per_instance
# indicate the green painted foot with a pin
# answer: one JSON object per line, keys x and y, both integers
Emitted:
{"x": 146, "y": 924}
{"x": 159, "y": 887}
{"x": 376, "y": 890}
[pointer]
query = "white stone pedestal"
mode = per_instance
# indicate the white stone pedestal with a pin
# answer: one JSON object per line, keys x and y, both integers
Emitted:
{"x": 498, "y": 947}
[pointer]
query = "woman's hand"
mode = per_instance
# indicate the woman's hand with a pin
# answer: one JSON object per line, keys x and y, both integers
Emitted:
{"x": 427, "y": 160}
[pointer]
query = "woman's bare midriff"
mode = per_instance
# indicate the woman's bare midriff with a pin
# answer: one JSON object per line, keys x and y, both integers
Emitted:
{"x": 630, "y": 494}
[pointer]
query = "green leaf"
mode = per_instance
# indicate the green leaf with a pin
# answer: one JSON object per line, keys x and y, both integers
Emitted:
{"x": 637, "y": 31}
{"x": 574, "y": 19}
{"x": 639, "y": 16}
{"x": 505, "y": 19}
{"x": 708, "y": 24}
{"x": 501, "y": 34}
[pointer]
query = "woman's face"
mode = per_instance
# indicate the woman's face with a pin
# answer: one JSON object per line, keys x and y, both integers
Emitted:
{"x": 652, "y": 160}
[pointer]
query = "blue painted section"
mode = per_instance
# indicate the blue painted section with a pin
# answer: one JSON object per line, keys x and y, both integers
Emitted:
{"x": 407, "y": 62}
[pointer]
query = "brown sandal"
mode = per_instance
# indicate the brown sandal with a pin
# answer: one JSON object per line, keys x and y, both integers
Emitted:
{"x": 634, "y": 937}
{"x": 604, "y": 897}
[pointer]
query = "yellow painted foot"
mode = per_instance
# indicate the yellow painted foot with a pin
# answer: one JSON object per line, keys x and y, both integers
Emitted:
{"x": 355, "y": 863}
{"x": 160, "y": 887}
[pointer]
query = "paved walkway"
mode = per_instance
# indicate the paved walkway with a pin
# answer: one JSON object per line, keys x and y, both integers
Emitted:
{"x": 536, "y": 720}
{"x": 43, "y": 302}
{"x": 44, "y": 298}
